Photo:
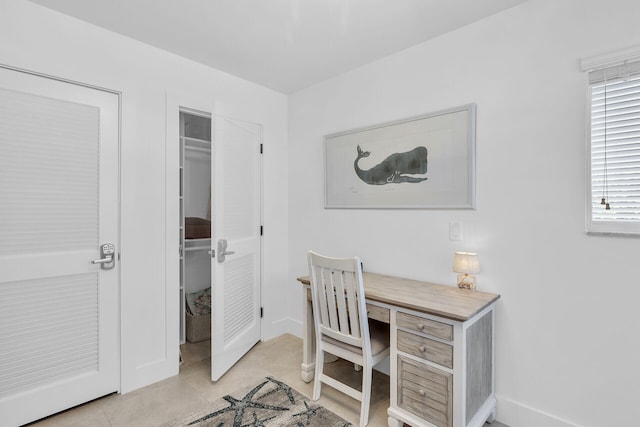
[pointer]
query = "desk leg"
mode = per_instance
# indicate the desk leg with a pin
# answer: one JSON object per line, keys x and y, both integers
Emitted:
{"x": 308, "y": 340}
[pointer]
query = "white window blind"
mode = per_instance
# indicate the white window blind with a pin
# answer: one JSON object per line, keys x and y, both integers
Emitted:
{"x": 615, "y": 149}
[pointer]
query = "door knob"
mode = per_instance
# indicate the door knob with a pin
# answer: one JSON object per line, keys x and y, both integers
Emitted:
{"x": 108, "y": 253}
{"x": 105, "y": 260}
{"x": 222, "y": 250}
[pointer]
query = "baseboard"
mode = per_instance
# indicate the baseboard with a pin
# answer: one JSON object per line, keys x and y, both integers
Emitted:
{"x": 282, "y": 326}
{"x": 517, "y": 414}
{"x": 149, "y": 373}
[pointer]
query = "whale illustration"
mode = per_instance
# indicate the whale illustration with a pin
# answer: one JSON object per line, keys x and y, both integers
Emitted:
{"x": 395, "y": 168}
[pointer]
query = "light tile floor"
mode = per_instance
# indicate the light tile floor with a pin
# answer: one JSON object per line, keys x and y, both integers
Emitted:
{"x": 192, "y": 389}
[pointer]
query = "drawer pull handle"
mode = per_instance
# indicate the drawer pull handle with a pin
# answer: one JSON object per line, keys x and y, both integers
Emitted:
{"x": 422, "y": 348}
{"x": 422, "y": 392}
{"x": 420, "y": 326}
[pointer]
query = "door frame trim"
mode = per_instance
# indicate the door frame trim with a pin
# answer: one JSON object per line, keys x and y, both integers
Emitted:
{"x": 175, "y": 100}
{"x": 65, "y": 80}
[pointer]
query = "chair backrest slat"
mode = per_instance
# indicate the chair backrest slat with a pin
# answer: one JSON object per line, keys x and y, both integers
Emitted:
{"x": 329, "y": 289}
{"x": 343, "y": 315}
{"x": 319, "y": 293}
{"x": 351, "y": 295}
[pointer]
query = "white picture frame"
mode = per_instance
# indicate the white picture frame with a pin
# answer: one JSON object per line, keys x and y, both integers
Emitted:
{"x": 423, "y": 162}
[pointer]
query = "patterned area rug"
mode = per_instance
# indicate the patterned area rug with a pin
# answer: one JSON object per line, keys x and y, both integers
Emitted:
{"x": 270, "y": 403}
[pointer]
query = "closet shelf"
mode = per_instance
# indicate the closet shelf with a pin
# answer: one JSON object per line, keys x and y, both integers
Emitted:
{"x": 197, "y": 245}
{"x": 196, "y": 144}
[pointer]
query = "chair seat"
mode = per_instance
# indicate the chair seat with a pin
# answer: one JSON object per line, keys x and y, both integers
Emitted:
{"x": 379, "y": 333}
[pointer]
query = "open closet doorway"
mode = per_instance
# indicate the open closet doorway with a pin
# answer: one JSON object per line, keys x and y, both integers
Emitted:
{"x": 195, "y": 226}
{"x": 219, "y": 193}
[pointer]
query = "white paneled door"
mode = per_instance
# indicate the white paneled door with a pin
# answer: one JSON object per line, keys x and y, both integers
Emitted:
{"x": 236, "y": 183}
{"x": 59, "y": 309}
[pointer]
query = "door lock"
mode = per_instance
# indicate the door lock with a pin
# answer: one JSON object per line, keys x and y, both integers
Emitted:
{"x": 108, "y": 254}
{"x": 222, "y": 250}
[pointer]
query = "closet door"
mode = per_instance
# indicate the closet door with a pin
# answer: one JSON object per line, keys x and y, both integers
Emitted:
{"x": 236, "y": 179}
{"x": 59, "y": 340}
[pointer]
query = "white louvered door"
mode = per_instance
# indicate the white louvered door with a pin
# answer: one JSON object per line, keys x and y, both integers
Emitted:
{"x": 59, "y": 342}
{"x": 236, "y": 179}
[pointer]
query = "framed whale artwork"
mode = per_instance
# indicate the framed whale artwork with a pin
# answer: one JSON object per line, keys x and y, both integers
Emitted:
{"x": 423, "y": 162}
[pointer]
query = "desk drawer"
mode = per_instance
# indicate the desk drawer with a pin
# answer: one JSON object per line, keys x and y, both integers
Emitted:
{"x": 426, "y": 326}
{"x": 425, "y": 348}
{"x": 378, "y": 313}
{"x": 425, "y": 391}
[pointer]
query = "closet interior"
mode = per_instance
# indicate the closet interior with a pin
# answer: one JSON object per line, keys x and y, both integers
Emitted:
{"x": 195, "y": 226}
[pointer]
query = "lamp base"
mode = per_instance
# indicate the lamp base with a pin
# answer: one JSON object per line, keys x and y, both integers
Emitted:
{"x": 467, "y": 282}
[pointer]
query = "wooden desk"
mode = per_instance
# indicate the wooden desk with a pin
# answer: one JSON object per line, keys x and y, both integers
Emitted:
{"x": 442, "y": 363}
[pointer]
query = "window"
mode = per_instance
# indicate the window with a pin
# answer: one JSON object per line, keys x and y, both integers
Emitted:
{"x": 613, "y": 200}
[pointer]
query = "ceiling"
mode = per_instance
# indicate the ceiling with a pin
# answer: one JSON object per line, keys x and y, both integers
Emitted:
{"x": 285, "y": 45}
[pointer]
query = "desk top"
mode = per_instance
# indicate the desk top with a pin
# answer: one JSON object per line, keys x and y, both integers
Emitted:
{"x": 439, "y": 300}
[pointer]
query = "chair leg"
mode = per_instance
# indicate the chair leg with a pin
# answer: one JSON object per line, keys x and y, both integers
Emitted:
{"x": 316, "y": 380}
{"x": 366, "y": 394}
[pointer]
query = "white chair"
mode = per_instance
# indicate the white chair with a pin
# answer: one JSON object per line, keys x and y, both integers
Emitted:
{"x": 342, "y": 327}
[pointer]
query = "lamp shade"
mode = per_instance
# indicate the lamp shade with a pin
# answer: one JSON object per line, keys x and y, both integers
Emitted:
{"x": 466, "y": 263}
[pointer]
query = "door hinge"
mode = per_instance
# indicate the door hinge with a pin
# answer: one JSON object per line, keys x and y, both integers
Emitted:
{"x": 261, "y": 312}
{"x": 260, "y": 148}
{"x": 261, "y": 230}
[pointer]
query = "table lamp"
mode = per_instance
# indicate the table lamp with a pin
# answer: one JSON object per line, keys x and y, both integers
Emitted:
{"x": 466, "y": 263}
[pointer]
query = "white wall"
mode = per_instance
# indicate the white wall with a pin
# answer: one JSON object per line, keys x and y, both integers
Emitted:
{"x": 567, "y": 341}
{"x": 35, "y": 38}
